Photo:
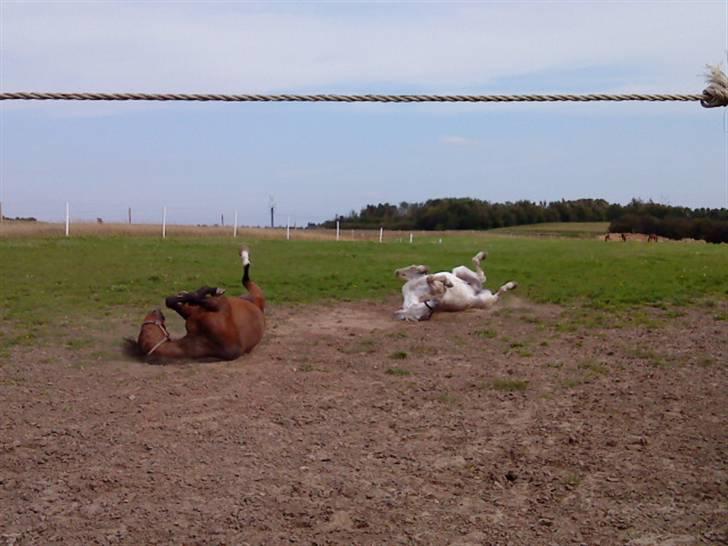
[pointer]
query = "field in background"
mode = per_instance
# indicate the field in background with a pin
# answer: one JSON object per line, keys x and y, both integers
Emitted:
{"x": 14, "y": 229}
{"x": 586, "y": 230}
{"x": 48, "y": 278}
{"x": 557, "y": 229}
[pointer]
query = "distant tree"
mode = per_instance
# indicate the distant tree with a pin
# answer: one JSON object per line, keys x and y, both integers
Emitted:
{"x": 466, "y": 213}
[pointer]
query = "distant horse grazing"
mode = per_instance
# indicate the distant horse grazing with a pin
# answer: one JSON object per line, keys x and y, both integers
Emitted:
{"x": 608, "y": 237}
{"x": 218, "y": 327}
{"x": 651, "y": 237}
{"x": 624, "y": 237}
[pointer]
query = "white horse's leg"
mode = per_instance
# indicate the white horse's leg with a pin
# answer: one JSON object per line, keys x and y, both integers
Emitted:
{"x": 469, "y": 277}
{"x": 477, "y": 259}
{"x": 486, "y": 298}
{"x": 510, "y": 285}
{"x": 476, "y": 279}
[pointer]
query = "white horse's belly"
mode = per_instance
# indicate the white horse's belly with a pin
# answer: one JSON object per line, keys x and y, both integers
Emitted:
{"x": 458, "y": 297}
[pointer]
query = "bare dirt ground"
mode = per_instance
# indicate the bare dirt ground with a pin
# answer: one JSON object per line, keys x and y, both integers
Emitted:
{"x": 522, "y": 425}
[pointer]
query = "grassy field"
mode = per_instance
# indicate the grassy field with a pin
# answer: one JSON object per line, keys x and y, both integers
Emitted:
{"x": 47, "y": 279}
{"x": 584, "y": 230}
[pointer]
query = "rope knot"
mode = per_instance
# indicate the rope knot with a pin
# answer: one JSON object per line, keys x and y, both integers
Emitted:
{"x": 716, "y": 94}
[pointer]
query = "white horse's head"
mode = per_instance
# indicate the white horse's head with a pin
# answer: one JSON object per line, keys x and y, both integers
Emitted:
{"x": 411, "y": 272}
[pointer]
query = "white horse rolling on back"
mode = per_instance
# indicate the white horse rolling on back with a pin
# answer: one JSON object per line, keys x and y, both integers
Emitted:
{"x": 456, "y": 291}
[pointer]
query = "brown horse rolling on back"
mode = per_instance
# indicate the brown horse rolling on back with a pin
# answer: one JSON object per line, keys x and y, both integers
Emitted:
{"x": 218, "y": 327}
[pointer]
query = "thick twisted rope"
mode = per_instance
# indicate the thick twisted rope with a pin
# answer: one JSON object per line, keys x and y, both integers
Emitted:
{"x": 716, "y": 94}
{"x": 345, "y": 98}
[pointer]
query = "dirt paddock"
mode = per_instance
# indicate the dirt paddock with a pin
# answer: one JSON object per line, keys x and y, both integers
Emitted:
{"x": 515, "y": 426}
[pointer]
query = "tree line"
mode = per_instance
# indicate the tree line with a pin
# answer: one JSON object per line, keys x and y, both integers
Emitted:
{"x": 474, "y": 214}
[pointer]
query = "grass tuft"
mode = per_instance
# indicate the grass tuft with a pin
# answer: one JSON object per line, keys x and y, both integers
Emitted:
{"x": 509, "y": 385}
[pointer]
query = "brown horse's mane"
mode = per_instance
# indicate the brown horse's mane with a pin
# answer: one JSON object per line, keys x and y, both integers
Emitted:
{"x": 131, "y": 349}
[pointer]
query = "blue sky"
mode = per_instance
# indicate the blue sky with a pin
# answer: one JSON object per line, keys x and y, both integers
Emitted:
{"x": 317, "y": 160}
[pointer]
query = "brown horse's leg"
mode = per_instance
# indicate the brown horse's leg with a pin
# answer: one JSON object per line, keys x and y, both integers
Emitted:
{"x": 253, "y": 289}
{"x": 199, "y": 298}
{"x": 208, "y": 291}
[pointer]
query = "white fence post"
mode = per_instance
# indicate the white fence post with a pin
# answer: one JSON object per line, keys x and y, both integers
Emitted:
{"x": 337, "y": 230}
{"x": 412, "y": 238}
{"x": 381, "y": 234}
{"x": 235, "y": 226}
{"x": 288, "y": 229}
{"x": 164, "y": 223}
{"x": 68, "y": 219}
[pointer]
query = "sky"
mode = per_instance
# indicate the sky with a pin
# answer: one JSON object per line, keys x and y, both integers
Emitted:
{"x": 201, "y": 161}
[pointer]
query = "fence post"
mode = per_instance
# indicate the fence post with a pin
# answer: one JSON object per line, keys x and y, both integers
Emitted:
{"x": 164, "y": 223}
{"x": 337, "y": 230}
{"x": 235, "y": 225}
{"x": 288, "y": 229}
{"x": 412, "y": 238}
{"x": 129, "y": 215}
{"x": 381, "y": 234}
{"x": 68, "y": 219}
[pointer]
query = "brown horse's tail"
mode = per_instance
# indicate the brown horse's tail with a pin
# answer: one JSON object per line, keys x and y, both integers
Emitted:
{"x": 252, "y": 288}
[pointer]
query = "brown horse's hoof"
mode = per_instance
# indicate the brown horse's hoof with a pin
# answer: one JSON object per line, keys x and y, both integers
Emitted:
{"x": 245, "y": 255}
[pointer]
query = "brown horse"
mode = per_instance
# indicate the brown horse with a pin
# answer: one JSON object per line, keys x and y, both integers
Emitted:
{"x": 652, "y": 237}
{"x": 218, "y": 327}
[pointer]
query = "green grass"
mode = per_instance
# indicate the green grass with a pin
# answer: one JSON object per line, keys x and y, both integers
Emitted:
{"x": 362, "y": 346}
{"x": 557, "y": 229}
{"x": 593, "y": 367}
{"x": 50, "y": 280}
{"x": 509, "y": 385}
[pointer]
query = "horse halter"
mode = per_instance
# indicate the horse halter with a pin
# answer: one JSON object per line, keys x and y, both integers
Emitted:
{"x": 432, "y": 309}
{"x": 164, "y": 331}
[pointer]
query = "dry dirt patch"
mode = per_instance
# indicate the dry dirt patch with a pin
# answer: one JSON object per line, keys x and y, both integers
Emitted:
{"x": 516, "y": 426}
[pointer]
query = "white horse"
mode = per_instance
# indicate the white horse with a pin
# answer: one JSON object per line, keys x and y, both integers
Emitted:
{"x": 456, "y": 291}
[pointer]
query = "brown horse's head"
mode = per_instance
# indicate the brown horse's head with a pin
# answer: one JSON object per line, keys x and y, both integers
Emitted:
{"x": 152, "y": 335}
